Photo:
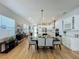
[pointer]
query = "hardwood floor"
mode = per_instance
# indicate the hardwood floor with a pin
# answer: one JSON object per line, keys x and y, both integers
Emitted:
{"x": 22, "y": 52}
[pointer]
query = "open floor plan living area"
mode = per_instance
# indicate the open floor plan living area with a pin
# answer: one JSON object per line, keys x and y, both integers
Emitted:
{"x": 39, "y": 29}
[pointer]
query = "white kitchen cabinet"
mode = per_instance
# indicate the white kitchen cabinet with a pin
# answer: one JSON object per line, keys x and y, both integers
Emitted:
{"x": 71, "y": 40}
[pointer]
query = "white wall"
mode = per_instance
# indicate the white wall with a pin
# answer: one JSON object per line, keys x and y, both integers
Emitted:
{"x": 70, "y": 40}
{"x": 59, "y": 26}
{"x": 7, "y": 12}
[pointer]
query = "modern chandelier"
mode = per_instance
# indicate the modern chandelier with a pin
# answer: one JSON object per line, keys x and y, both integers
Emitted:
{"x": 42, "y": 15}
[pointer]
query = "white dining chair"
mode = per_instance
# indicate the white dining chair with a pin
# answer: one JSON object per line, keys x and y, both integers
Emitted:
{"x": 41, "y": 42}
{"x": 57, "y": 41}
{"x": 49, "y": 42}
{"x": 31, "y": 42}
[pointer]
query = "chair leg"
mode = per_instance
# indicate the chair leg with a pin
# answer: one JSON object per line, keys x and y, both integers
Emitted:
{"x": 38, "y": 50}
{"x": 60, "y": 46}
{"x": 37, "y": 47}
{"x": 29, "y": 46}
{"x": 54, "y": 46}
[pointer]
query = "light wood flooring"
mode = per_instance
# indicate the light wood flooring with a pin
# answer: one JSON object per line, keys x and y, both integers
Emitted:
{"x": 22, "y": 52}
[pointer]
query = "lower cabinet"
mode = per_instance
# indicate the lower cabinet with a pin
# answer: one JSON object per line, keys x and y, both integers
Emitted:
{"x": 5, "y": 47}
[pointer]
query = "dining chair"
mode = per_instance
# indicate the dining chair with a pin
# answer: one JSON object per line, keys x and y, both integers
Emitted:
{"x": 49, "y": 42}
{"x": 57, "y": 41}
{"x": 41, "y": 42}
{"x": 31, "y": 42}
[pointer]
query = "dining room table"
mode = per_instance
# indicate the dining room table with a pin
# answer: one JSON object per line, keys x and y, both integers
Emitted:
{"x": 45, "y": 37}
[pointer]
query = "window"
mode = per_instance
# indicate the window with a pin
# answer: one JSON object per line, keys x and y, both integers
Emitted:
{"x": 7, "y": 27}
{"x": 0, "y": 21}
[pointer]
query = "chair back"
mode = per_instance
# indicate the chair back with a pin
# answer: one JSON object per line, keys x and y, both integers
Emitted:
{"x": 49, "y": 42}
{"x": 58, "y": 40}
{"x": 29, "y": 38}
{"x": 41, "y": 41}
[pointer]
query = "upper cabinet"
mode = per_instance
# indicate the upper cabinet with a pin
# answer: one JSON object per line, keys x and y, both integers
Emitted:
{"x": 71, "y": 22}
{"x": 67, "y": 23}
{"x": 76, "y": 22}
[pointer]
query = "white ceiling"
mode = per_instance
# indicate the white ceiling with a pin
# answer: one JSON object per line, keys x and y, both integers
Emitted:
{"x": 30, "y": 9}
